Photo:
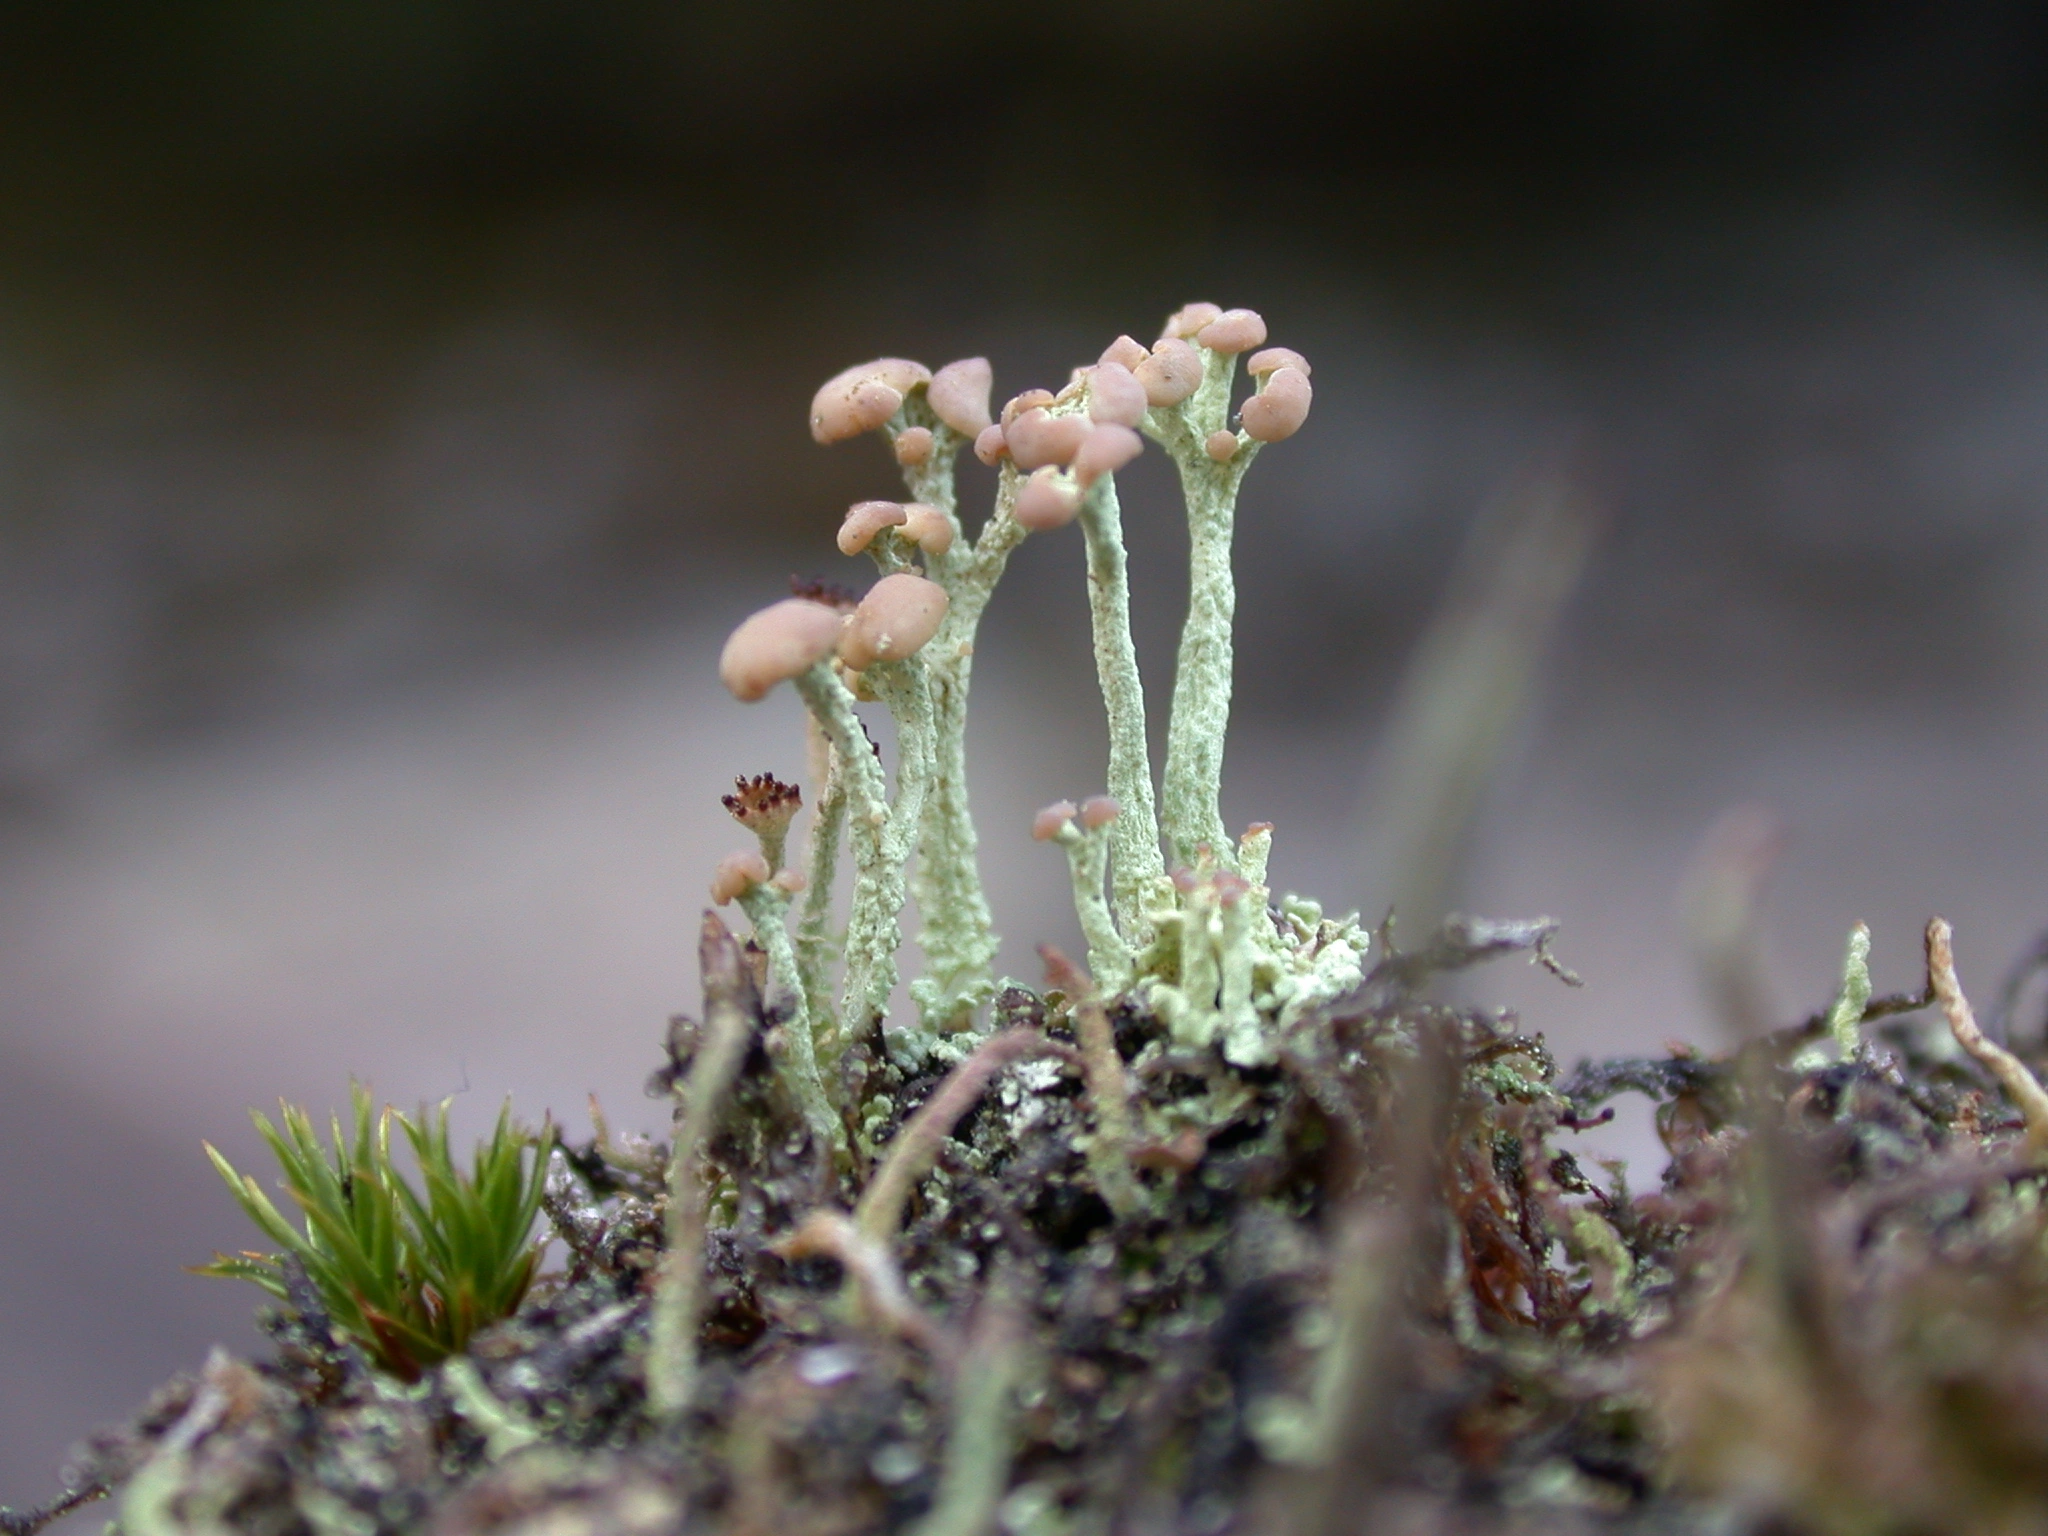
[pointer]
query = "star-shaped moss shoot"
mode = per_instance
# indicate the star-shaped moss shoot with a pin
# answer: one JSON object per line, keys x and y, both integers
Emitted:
{"x": 408, "y": 1274}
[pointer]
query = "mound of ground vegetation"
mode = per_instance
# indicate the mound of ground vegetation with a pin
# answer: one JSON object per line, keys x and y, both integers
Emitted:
{"x": 1365, "y": 1287}
{"x": 1240, "y": 1223}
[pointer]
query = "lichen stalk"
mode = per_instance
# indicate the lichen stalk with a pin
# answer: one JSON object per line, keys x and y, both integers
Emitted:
{"x": 958, "y": 935}
{"x": 1190, "y": 811}
{"x": 958, "y": 938}
{"x": 797, "y": 1063}
{"x": 1109, "y": 1084}
{"x": 1138, "y": 868}
{"x": 891, "y": 553}
{"x": 1254, "y": 849}
{"x": 1109, "y": 957}
{"x": 931, "y": 482}
{"x": 815, "y": 943}
{"x": 1845, "y": 1017}
{"x": 874, "y": 932}
{"x": 1236, "y": 953}
{"x": 871, "y": 930}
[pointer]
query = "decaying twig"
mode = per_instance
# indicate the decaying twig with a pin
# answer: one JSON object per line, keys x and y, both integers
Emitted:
{"x": 916, "y": 1146}
{"x": 872, "y": 1268}
{"x": 1109, "y": 1085}
{"x": 980, "y": 1443}
{"x": 732, "y": 1012}
{"x": 2020, "y": 1085}
{"x": 1459, "y": 943}
{"x": 26, "y": 1522}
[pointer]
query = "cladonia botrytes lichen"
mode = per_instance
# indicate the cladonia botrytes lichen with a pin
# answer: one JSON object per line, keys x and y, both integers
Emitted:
{"x": 1176, "y": 912}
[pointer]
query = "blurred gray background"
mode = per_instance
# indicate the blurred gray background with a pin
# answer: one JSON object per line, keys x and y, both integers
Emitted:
{"x": 399, "y": 402}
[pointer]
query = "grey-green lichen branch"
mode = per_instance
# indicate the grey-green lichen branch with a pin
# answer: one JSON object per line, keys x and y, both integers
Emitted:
{"x": 959, "y": 939}
{"x": 910, "y": 641}
{"x": 1845, "y": 1017}
{"x": 1139, "y": 868}
{"x": 880, "y": 833}
{"x": 816, "y": 944}
{"x": 767, "y": 905}
{"x": 1191, "y": 812}
{"x": 1087, "y": 849}
{"x": 874, "y": 933}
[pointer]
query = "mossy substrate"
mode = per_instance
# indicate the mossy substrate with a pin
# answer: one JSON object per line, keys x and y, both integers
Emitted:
{"x": 1370, "y": 1287}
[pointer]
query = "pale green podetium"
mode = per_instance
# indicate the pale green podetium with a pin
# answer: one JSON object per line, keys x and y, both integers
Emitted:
{"x": 745, "y": 877}
{"x": 1139, "y": 872}
{"x": 816, "y": 944}
{"x": 1845, "y": 1018}
{"x": 1843, "y": 1040}
{"x": 1188, "y": 378}
{"x": 1225, "y": 970}
{"x": 931, "y": 418}
{"x": 1087, "y": 847}
{"x": 1190, "y": 808}
{"x": 958, "y": 939}
{"x": 880, "y": 834}
{"x": 797, "y": 641}
{"x": 1205, "y": 944}
{"x": 1115, "y": 403}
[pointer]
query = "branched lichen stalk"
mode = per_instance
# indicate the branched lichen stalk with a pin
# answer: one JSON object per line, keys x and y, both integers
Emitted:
{"x": 1138, "y": 867}
{"x": 932, "y": 482}
{"x": 797, "y": 1064}
{"x": 958, "y": 936}
{"x": 1109, "y": 957}
{"x": 1190, "y": 811}
{"x": 871, "y": 931}
{"x": 959, "y": 939}
{"x": 905, "y": 687}
{"x": 815, "y": 943}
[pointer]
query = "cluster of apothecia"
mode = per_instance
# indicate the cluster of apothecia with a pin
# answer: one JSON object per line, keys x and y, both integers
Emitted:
{"x": 908, "y": 641}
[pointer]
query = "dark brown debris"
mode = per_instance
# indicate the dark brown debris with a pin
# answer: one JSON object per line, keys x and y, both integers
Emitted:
{"x": 1378, "y": 1278}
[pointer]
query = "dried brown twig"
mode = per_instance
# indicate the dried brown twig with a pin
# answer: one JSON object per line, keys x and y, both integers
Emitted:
{"x": 916, "y": 1147}
{"x": 1109, "y": 1085}
{"x": 2020, "y": 1085}
{"x": 732, "y": 1011}
{"x": 872, "y": 1268}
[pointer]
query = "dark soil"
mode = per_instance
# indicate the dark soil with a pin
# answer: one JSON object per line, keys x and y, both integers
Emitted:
{"x": 1372, "y": 1289}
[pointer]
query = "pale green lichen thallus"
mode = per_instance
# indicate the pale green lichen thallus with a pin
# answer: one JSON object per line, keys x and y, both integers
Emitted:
{"x": 1175, "y": 911}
